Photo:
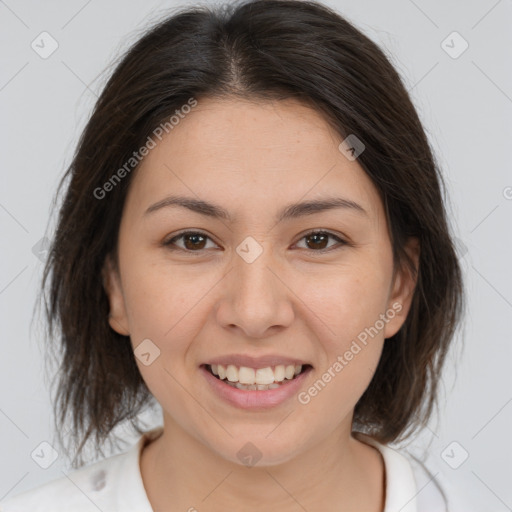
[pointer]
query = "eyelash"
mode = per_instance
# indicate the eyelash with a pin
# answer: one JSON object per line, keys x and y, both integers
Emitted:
{"x": 172, "y": 240}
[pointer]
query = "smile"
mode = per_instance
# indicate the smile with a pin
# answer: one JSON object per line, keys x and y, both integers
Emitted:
{"x": 255, "y": 379}
{"x": 264, "y": 391}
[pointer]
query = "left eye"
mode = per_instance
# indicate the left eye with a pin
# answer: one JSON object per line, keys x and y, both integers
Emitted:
{"x": 320, "y": 237}
{"x": 194, "y": 241}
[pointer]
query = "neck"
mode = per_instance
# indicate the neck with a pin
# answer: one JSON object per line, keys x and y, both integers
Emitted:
{"x": 338, "y": 473}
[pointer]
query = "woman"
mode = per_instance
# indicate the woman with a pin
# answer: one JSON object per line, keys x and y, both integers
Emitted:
{"x": 253, "y": 236}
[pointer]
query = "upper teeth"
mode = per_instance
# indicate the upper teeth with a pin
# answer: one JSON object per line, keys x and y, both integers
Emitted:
{"x": 245, "y": 375}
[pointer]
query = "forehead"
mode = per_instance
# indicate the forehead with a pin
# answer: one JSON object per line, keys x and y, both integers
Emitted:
{"x": 245, "y": 155}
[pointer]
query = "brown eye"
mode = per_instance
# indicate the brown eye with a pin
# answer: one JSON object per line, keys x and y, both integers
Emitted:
{"x": 196, "y": 242}
{"x": 317, "y": 240}
{"x": 193, "y": 241}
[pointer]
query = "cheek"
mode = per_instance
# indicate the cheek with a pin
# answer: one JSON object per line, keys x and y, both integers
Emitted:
{"x": 163, "y": 306}
{"x": 346, "y": 302}
{"x": 332, "y": 396}
{"x": 347, "y": 307}
{"x": 351, "y": 335}
{"x": 162, "y": 299}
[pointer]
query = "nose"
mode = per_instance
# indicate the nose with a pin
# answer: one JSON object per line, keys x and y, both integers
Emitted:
{"x": 256, "y": 298}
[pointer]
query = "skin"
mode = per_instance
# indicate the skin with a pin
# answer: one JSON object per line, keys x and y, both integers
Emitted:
{"x": 254, "y": 158}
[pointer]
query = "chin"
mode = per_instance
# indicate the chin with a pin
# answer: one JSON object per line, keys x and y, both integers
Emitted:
{"x": 252, "y": 450}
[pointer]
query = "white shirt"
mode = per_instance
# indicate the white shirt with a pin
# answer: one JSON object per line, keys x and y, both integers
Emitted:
{"x": 114, "y": 484}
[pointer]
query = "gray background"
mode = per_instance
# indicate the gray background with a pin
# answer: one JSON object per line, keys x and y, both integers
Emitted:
{"x": 466, "y": 106}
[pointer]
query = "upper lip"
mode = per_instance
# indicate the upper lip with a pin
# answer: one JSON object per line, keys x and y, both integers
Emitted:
{"x": 255, "y": 362}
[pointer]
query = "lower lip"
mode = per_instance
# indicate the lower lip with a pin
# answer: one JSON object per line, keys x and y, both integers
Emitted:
{"x": 249, "y": 399}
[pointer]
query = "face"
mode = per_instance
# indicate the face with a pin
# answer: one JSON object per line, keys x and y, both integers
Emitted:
{"x": 254, "y": 288}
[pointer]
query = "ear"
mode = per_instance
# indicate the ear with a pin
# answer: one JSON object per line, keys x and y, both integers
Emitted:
{"x": 117, "y": 318}
{"x": 402, "y": 290}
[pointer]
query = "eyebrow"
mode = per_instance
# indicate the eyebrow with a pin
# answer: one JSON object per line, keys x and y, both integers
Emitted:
{"x": 290, "y": 211}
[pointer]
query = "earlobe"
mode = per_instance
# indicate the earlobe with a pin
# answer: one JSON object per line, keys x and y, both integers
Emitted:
{"x": 117, "y": 317}
{"x": 403, "y": 288}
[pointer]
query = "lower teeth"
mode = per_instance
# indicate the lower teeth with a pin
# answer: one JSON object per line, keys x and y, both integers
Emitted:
{"x": 253, "y": 387}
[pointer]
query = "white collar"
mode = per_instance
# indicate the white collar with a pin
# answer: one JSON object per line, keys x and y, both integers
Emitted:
{"x": 401, "y": 489}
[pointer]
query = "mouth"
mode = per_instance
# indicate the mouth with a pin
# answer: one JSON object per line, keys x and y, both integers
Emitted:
{"x": 256, "y": 379}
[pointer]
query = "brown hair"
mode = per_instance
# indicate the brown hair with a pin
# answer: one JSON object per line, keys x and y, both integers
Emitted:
{"x": 262, "y": 49}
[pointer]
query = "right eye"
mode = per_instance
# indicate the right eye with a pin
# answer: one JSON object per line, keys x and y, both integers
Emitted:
{"x": 194, "y": 241}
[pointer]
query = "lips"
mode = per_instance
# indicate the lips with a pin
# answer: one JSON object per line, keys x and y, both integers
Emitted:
{"x": 255, "y": 397}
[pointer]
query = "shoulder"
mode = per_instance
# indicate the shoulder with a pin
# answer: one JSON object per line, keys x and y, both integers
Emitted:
{"x": 431, "y": 495}
{"x": 78, "y": 491}
{"x": 410, "y": 485}
{"x": 108, "y": 485}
